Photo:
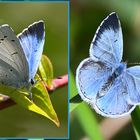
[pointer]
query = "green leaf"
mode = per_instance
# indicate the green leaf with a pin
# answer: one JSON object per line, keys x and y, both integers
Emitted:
{"x": 42, "y": 99}
{"x": 88, "y": 122}
{"x": 73, "y": 93}
{"x": 73, "y": 88}
{"x": 135, "y": 115}
{"x": 41, "y": 103}
{"x": 46, "y": 71}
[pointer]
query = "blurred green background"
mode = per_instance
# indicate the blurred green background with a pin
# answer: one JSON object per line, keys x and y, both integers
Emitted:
{"x": 86, "y": 16}
{"x": 16, "y": 121}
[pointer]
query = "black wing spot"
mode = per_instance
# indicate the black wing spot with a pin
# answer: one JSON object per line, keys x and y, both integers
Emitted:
{"x": 11, "y": 70}
{"x": 2, "y": 39}
{"x": 14, "y": 53}
{"x": 12, "y": 40}
{"x": 5, "y": 36}
{"x": 115, "y": 40}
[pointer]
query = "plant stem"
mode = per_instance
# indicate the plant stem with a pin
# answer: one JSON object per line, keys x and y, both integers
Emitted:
{"x": 59, "y": 82}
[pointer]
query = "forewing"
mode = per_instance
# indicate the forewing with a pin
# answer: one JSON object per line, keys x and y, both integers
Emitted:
{"x": 107, "y": 44}
{"x": 132, "y": 79}
{"x": 113, "y": 103}
{"x": 14, "y": 68}
{"x": 32, "y": 42}
{"x": 90, "y": 77}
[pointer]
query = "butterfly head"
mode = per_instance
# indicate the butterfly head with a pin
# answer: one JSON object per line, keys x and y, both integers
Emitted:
{"x": 120, "y": 69}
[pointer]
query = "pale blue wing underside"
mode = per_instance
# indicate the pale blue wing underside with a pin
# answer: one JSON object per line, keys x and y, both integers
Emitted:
{"x": 107, "y": 44}
{"x": 132, "y": 80}
{"x": 90, "y": 77}
{"x": 32, "y": 42}
{"x": 14, "y": 70}
{"x": 113, "y": 103}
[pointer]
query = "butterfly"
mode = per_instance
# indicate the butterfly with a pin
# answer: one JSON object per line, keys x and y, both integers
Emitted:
{"x": 20, "y": 55}
{"x": 103, "y": 80}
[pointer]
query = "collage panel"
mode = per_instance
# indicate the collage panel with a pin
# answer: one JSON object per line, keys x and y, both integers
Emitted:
{"x": 34, "y": 70}
{"x": 104, "y": 70}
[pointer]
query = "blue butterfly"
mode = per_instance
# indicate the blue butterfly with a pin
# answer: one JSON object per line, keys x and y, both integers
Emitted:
{"x": 103, "y": 80}
{"x": 20, "y": 55}
{"x": 32, "y": 42}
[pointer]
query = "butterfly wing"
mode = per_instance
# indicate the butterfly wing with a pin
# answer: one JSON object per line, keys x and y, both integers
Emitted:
{"x": 105, "y": 49}
{"x": 14, "y": 70}
{"x": 132, "y": 80}
{"x": 90, "y": 77}
{"x": 107, "y": 44}
{"x": 32, "y": 42}
{"x": 113, "y": 103}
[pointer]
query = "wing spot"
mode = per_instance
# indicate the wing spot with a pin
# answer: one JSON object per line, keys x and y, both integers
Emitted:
{"x": 12, "y": 40}
{"x": 35, "y": 50}
{"x": 5, "y": 36}
{"x": 115, "y": 40}
{"x": 14, "y": 53}
{"x": 2, "y": 39}
{"x": 11, "y": 70}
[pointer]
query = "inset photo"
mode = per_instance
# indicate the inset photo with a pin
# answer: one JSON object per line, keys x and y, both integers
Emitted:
{"x": 34, "y": 70}
{"x": 105, "y": 70}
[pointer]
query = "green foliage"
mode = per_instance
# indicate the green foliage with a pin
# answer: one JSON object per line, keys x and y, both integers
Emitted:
{"x": 135, "y": 115}
{"x": 40, "y": 103}
{"x": 88, "y": 122}
{"x": 46, "y": 70}
{"x": 73, "y": 93}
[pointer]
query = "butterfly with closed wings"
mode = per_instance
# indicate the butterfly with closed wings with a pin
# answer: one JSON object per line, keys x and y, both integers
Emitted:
{"x": 20, "y": 55}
